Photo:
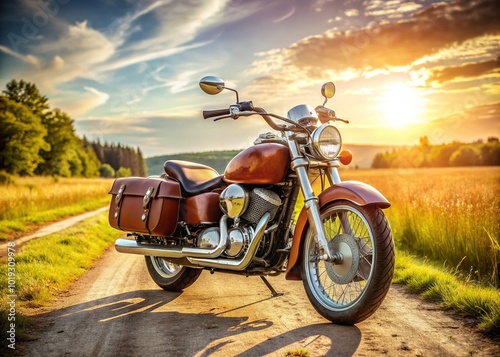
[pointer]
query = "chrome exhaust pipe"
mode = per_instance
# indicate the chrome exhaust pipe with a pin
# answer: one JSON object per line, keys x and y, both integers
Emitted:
{"x": 232, "y": 264}
{"x": 132, "y": 247}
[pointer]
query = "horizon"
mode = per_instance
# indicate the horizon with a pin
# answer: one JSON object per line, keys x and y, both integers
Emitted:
{"x": 128, "y": 72}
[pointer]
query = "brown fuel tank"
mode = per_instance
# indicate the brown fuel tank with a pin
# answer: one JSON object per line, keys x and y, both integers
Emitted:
{"x": 263, "y": 164}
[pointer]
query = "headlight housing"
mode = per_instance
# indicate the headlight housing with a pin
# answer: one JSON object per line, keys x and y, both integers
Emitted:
{"x": 326, "y": 142}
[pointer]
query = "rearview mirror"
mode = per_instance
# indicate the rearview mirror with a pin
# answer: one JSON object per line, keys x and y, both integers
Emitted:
{"x": 328, "y": 90}
{"x": 211, "y": 85}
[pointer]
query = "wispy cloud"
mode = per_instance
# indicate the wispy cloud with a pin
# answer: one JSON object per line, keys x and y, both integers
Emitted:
{"x": 390, "y": 9}
{"x": 82, "y": 102}
{"x": 29, "y": 59}
{"x": 478, "y": 69}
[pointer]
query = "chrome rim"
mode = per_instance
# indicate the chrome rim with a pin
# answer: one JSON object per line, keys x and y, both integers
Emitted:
{"x": 165, "y": 268}
{"x": 339, "y": 287}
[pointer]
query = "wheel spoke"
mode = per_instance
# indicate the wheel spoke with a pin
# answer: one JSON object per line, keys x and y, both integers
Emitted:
{"x": 343, "y": 221}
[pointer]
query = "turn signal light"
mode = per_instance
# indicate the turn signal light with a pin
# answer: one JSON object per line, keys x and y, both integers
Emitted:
{"x": 345, "y": 157}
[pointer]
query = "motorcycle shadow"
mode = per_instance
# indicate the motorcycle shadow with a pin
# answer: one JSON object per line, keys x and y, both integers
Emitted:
{"x": 149, "y": 322}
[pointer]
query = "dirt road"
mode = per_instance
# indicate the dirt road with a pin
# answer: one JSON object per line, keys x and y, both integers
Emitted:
{"x": 116, "y": 310}
{"x": 51, "y": 228}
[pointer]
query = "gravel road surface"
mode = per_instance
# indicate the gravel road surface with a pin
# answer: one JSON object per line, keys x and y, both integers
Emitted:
{"x": 117, "y": 310}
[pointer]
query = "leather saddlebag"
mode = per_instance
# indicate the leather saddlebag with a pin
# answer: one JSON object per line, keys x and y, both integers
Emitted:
{"x": 145, "y": 205}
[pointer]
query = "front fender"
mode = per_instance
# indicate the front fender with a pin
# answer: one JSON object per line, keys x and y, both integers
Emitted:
{"x": 356, "y": 192}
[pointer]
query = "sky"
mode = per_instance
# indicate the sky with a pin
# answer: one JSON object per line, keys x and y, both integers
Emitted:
{"x": 128, "y": 71}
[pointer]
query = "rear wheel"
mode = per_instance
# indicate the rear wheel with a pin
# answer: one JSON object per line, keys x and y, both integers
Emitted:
{"x": 170, "y": 276}
{"x": 350, "y": 291}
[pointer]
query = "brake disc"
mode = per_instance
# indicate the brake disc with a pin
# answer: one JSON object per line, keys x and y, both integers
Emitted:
{"x": 344, "y": 272}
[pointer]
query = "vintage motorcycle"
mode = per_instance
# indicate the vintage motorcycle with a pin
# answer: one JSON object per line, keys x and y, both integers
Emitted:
{"x": 192, "y": 218}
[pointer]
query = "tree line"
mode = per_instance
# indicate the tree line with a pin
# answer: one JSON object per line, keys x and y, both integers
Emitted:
{"x": 478, "y": 153}
{"x": 38, "y": 140}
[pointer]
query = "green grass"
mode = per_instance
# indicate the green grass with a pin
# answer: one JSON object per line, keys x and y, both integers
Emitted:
{"x": 31, "y": 201}
{"x": 46, "y": 266}
{"x": 437, "y": 284}
{"x": 448, "y": 215}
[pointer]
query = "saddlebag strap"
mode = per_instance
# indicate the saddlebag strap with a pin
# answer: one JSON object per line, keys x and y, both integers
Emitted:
{"x": 146, "y": 205}
{"x": 118, "y": 200}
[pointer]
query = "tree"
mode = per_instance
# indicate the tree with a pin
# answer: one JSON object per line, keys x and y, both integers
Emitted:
{"x": 62, "y": 159}
{"x": 21, "y": 138}
{"x": 27, "y": 94}
{"x": 106, "y": 171}
{"x": 123, "y": 172}
{"x": 466, "y": 156}
{"x": 490, "y": 153}
{"x": 89, "y": 159}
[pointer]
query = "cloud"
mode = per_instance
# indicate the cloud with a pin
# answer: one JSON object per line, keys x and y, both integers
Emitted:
{"x": 351, "y": 12}
{"x": 477, "y": 122}
{"x": 389, "y": 45}
{"x": 179, "y": 22}
{"x": 72, "y": 54}
{"x": 154, "y": 30}
{"x": 145, "y": 57}
{"x": 390, "y": 9}
{"x": 79, "y": 103}
{"x": 286, "y": 16}
{"x": 29, "y": 59}
{"x": 463, "y": 71}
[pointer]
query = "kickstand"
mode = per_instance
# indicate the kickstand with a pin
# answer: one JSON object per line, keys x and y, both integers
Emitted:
{"x": 270, "y": 287}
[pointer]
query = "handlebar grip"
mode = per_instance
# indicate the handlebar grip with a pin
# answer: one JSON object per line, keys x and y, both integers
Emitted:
{"x": 215, "y": 113}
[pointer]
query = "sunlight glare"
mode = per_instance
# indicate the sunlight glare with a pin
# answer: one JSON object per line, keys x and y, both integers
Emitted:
{"x": 401, "y": 105}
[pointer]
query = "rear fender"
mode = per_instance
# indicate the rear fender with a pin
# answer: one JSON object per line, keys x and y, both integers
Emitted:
{"x": 356, "y": 192}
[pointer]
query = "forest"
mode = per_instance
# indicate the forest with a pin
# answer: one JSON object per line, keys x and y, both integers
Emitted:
{"x": 38, "y": 140}
{"x": 453, "y": 154}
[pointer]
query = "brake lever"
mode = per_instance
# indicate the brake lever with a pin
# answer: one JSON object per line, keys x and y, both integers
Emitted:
{"x": 328, "y": 114}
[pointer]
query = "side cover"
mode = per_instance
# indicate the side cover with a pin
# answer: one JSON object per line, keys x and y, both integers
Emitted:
{"x": 145, "y": 205}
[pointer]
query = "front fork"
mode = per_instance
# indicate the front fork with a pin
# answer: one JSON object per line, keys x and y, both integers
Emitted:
{"x": 311, "y": 202}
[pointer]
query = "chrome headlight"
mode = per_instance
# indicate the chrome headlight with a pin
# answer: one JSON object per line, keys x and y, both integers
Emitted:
{"x": 327, "y": 142}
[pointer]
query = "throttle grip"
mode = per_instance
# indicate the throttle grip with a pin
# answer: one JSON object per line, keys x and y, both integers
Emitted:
{"x": 215, "y": 113}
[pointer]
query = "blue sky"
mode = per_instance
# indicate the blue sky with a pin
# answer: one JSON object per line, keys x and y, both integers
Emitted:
{"x": 128, "y": 71}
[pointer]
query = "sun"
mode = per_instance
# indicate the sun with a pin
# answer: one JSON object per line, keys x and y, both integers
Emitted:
{"x": 401, "y": 105}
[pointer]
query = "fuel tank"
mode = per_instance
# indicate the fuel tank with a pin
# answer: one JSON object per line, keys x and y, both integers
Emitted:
{"x": 262, "y": 164}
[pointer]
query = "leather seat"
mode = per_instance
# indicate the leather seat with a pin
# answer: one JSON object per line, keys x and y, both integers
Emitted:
{"x": 193, "y": 178}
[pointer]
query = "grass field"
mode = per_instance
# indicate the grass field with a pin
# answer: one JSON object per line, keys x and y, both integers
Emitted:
{"x": 34, "y": 200}
{"x": 44, "y": 267}
{"x": 447, "y": 215}
{"x": 444, "y": 222}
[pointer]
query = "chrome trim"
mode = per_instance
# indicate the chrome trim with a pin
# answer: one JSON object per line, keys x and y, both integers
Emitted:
{"x": 311, "y": 202}
{"x": 132, "y": 247}
{"x": 232, "y": 264}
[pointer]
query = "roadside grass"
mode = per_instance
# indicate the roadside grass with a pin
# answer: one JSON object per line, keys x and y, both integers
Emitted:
{"x": 439, "y": 284}
{"x": 448, "y": 215}
{"x": 47, "y": 266}
{"x": 31, "y": 201}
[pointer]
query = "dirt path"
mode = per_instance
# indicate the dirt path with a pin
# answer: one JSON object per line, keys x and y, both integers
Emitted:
{"x": 52, "y": 228}
{"x": 116, "y": 310}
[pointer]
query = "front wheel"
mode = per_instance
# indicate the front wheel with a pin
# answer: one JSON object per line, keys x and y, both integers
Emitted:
{"x": 170, "y": 276}
{"x": 351, "y": 291}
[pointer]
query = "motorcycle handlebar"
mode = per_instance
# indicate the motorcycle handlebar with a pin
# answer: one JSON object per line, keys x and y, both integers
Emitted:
{"x": 207, "y": 114}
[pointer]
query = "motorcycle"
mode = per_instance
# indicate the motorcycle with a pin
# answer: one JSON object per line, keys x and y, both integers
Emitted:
{"x": 192, "y": 218}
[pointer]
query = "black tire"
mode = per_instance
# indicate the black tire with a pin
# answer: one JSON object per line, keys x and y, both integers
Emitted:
{"x": 170, "y": 276}
{"x": 352, "y": 291}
